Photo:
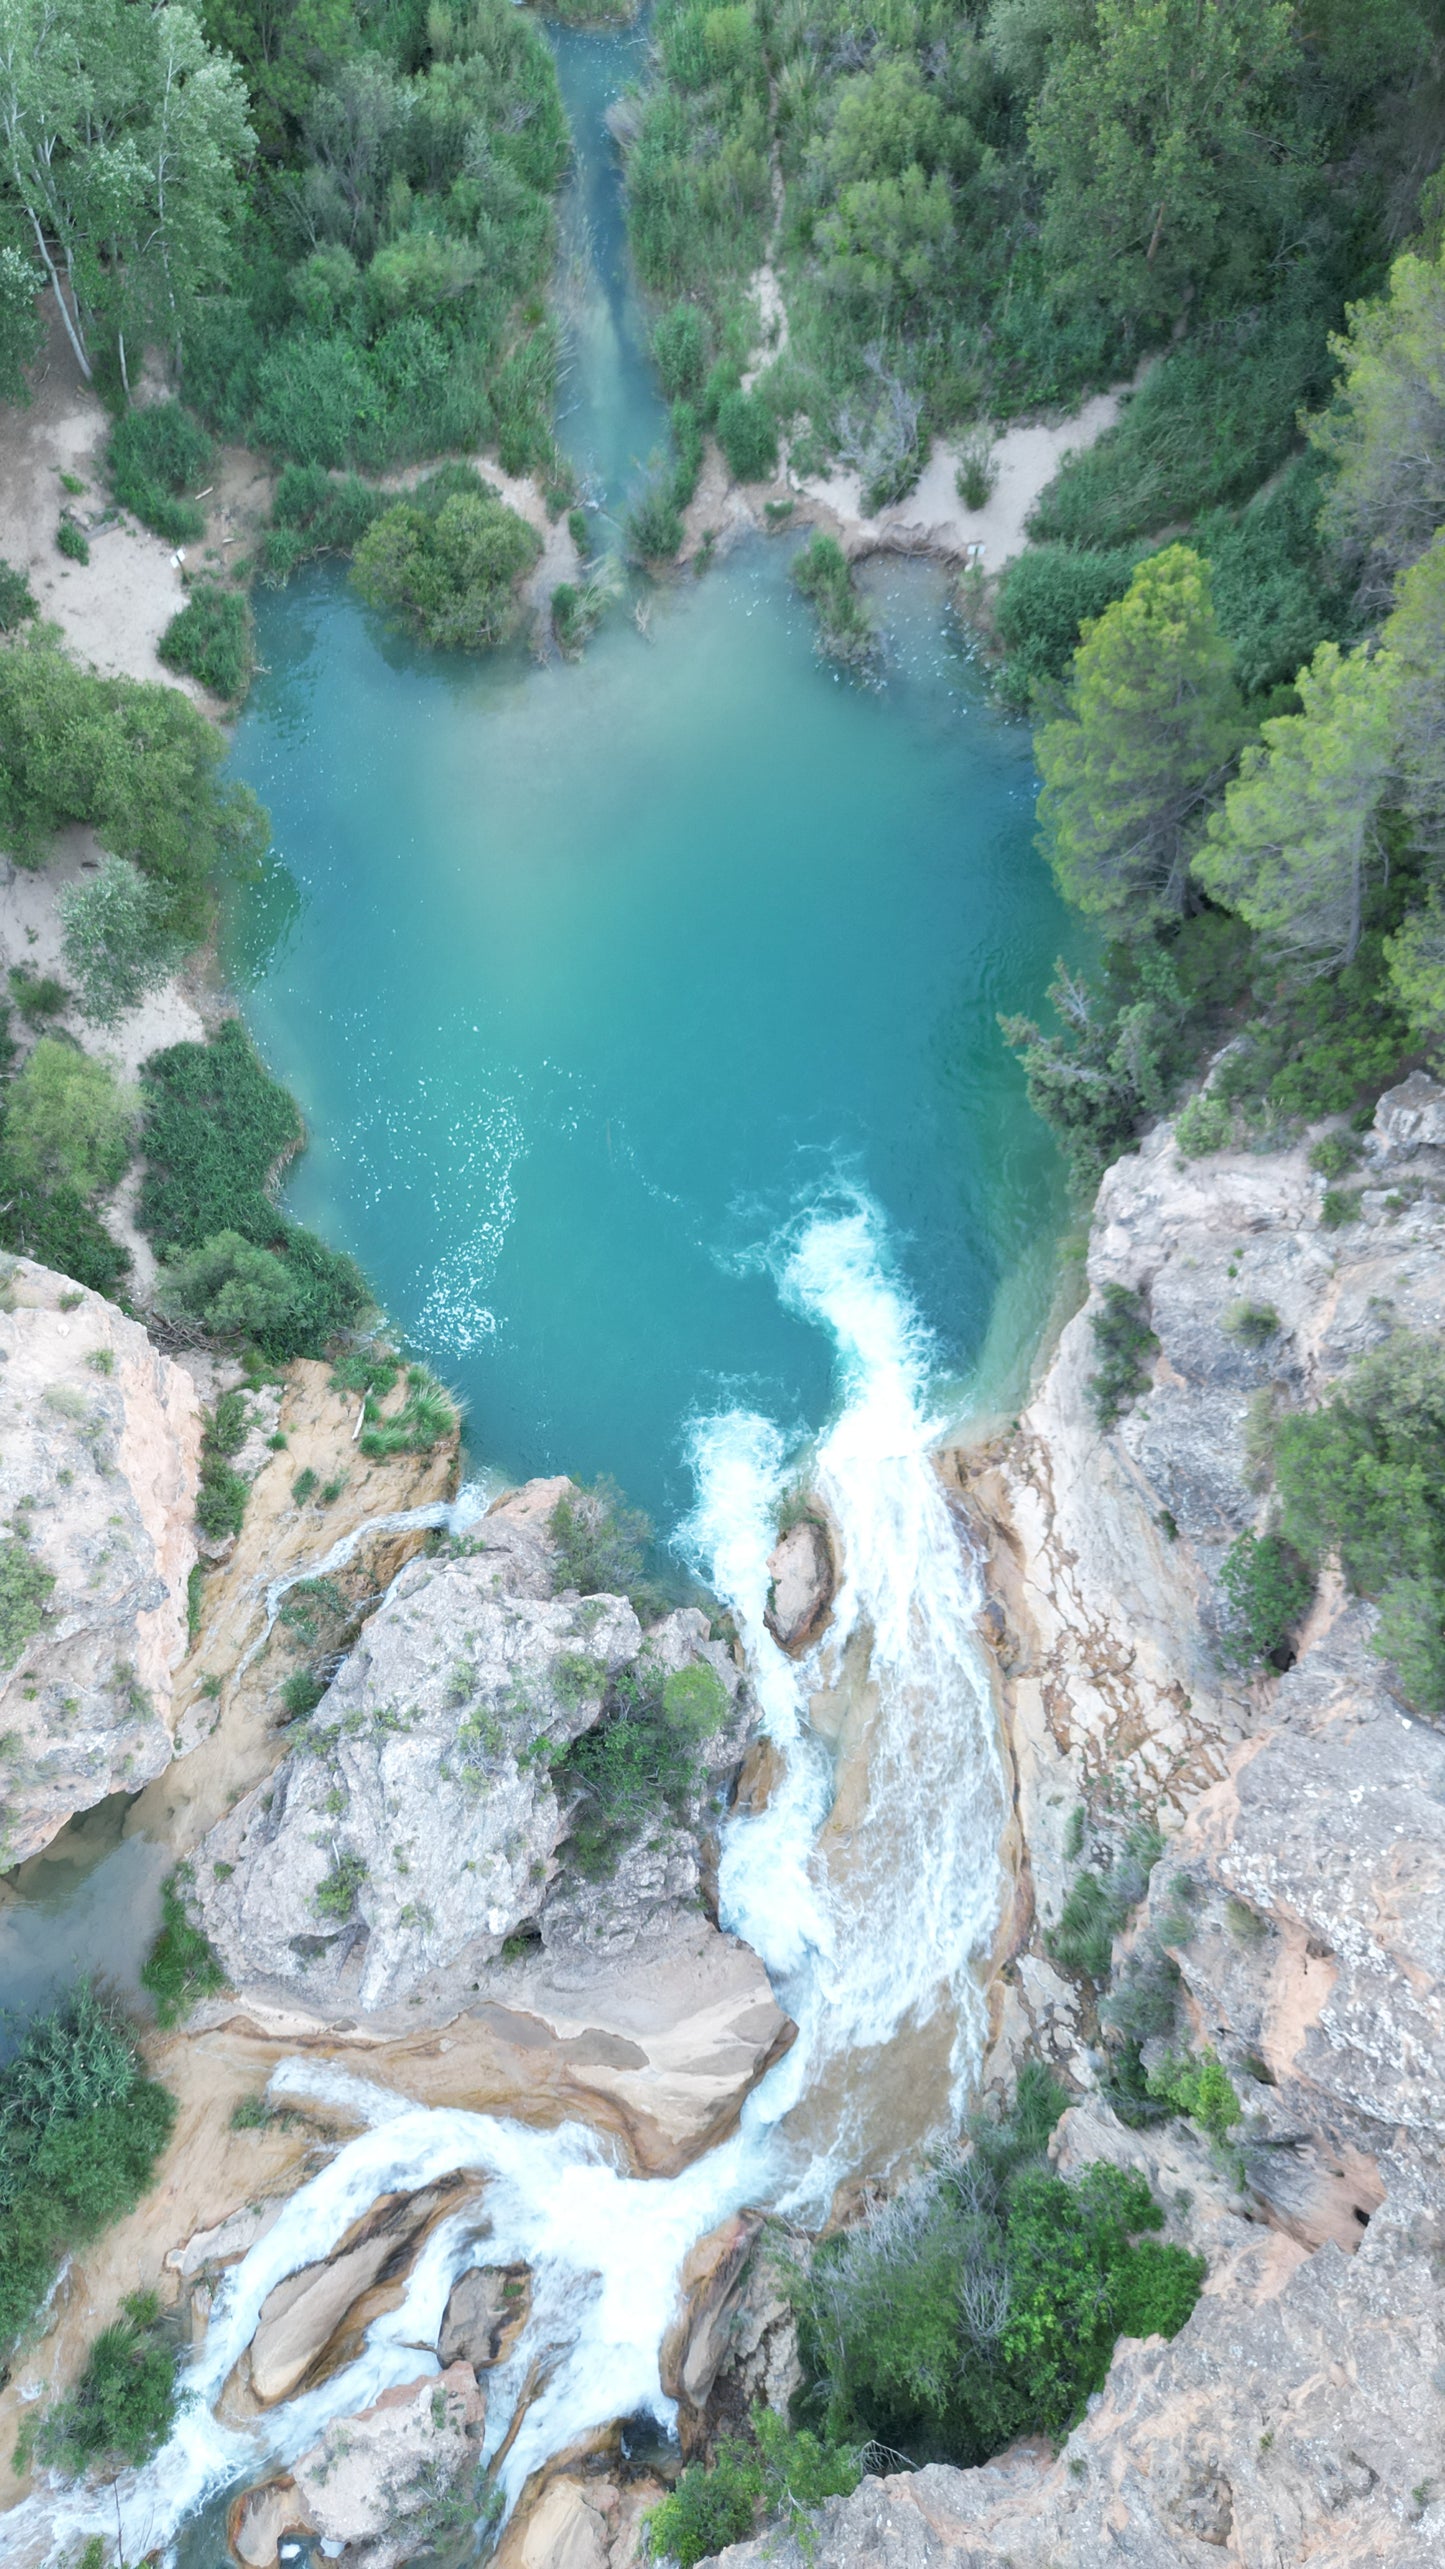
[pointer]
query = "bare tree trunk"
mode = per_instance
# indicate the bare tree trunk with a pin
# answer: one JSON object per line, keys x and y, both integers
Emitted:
{"x": 71, "y": 328}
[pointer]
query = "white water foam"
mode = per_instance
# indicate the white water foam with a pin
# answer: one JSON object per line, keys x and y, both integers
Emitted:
{"x": 892, "y": 1943}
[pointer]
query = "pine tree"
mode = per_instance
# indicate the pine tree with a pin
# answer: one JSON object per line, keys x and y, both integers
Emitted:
{"x": 1293, "y": 847}
{"x": 1149, "y": 734}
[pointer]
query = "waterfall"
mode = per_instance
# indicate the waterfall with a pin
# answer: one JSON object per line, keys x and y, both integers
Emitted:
{"x": 874, "y": 1924}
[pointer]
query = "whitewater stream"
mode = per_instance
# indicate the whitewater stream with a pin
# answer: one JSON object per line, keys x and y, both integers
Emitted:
{"x": 874, "y": 1942}
{"x": 643, "y": 1014}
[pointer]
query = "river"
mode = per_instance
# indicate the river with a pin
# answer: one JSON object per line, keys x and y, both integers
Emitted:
{"x": 643, "y": 1012}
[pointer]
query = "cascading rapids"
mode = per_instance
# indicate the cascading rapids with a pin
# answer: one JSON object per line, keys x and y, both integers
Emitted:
{"x": 874, "y": 1943}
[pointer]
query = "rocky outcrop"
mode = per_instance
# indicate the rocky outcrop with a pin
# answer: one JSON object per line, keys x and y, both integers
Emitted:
{"x": 416, "y": 1832}
{"x": 378, "y": 2486}
{"x": 312, "y": 2322}
{"x": 100, "y": 1440}
{"x": 802, "y": 1579}
{"x": 1296, "y": 2415}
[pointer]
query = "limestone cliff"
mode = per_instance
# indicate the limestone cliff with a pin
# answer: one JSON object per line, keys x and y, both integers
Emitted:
{"x": 1297, "y": 2416}
{"x": 100, "y": 1440}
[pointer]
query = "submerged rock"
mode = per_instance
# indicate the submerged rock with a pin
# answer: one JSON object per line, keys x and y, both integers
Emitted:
{"x": 487, "y": 2309}
{"x": 100, "y": 1440}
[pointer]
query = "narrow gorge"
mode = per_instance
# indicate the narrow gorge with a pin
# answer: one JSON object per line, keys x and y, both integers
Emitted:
{"x": 722, "y": 1620}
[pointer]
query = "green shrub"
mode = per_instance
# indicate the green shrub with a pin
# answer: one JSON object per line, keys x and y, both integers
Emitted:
{"x": 221, "y": 1498}
{"x": 37, "y": 995}
{"x": 845, "y": 628}
{"x": 687, "y": 446}
{"x": 1098, "y": 1905}
{"x": 1364, "y": 1476}
{"x": 154, "y": 457}
{"x": 680, "y": 348}
{"x": 654, "y": 528}
{"x": 217, "y": 1129}
{"x": 16, "y": 602}
{"x": 124, "y": 2405}
{"x": 24, "y": 1587}
{"x": 1269, "y": 1590}
{"x": 136, "y": 763}
{"x": 1201, "y": 2088}
{"x": 1205, "y": 1124}
{"x": 316, "y": 512}
{"x": 60, "y": 1230}
{"x": 336, "y": 1896}
{"x": 598, "y": 1542}
{"x": 183, "y": 1966}
{"x": 301, "y": 1694}
{"x": 1253, "y": 1324}
{"x": 304, "y": 1487}
{"x": 1335, "y": 1154}
{"x": 81, "y": 2128}
{"x": 984, "y": 2302}
{"x": 640, "y": 1761}
{"x": 1339, "y": 1207}
{"x": 1209, "y": 423}
{"x": 71, "y": 541}
{"x": 115, "y": 939}
{"x": 212, "y": 640}
{"x": 449, "y": 560}
{"x": 776, "y": 2474}
{"x": 66, "y": 1122}
{"x": 1046, "y": 594}
{"x": 1123, "y": 1342}
{"x": 426, "y": 1417}
{"x": 748, "y": 435}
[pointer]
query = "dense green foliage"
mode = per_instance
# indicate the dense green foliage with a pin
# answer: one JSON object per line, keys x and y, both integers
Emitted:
{"x": 81, "y": 2127}
{"x": 137, "y": 762}
{"x": 212, "y": 639}
{"x": 776, "y": 2474}
{"x": 217, "y": 1129}
{"x": 114, "y": 938}
{"x": 987, "y": 208}
{"x": 221, "y": 1499}
{"x": 1312, "y": 808}
{"x": 156, "y": 457}
{"x": 397, "y": 240}
{"x": 1364, "y": 1476}
{"x": 1143, "y": 744}
{"x": 984, "y": 2301}
{"x": 640, "y": 1762}
{"x": 448, "y": 560}
{"x": 316, "y": 512}
{"x": 1268, "y": 1590}
{"x": 67, "y": 1124}
{"x": 845, "y": 628}
{"x": 123, "y": 2406}
{"x": 182, "y": 1966}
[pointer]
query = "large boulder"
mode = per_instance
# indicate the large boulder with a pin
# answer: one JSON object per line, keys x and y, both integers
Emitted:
{"x": 100, "y": 1441}
{"x": 416, "y": 1830}
{"x": 801, "y": 1582}
{"x": 308, "y": 2324}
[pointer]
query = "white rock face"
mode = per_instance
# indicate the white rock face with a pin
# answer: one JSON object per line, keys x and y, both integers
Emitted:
{"x": 416, "y": 1826}
{"x": 100, "y": 1439}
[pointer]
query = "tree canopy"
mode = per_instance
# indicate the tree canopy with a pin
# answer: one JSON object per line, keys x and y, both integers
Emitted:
{"x": 1152, "y": 722}
{"x": 1292, "y": 848}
